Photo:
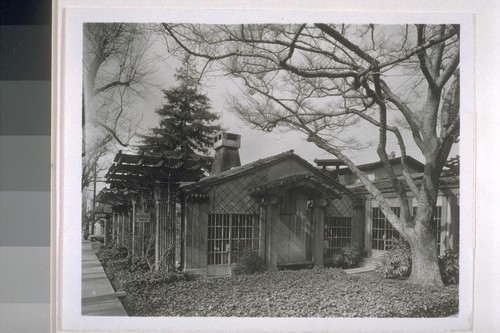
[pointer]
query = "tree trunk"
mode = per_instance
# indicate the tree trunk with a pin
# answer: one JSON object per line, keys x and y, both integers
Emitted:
{"x": 424, "y": 267}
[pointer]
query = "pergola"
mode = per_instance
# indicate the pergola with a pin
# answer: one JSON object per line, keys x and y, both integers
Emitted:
{"x": 142, "y": 191}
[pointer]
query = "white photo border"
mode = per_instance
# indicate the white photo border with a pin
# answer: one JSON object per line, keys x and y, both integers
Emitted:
{"x": 66, "y": 293}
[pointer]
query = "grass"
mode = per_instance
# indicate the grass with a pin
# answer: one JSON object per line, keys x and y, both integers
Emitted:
{"x": 327, "y": 292}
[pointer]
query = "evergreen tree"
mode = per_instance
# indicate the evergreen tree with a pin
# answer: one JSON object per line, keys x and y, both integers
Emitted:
{"x": 187, "y": 124}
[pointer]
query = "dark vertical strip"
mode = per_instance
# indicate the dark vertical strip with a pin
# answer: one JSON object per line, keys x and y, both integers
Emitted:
{"x": 25, "y": 73}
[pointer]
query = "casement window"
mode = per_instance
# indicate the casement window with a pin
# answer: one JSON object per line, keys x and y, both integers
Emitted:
{"x": 437, "y": 227}
{"x": 383, "y": 233}
{"x": 337, "y": 234}
{"x": 229, "y": 235}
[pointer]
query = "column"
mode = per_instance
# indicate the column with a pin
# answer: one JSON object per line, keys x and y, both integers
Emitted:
{"x": 106, "y": 233}
{"x": 134, "y": 204}
{"x": 263, "y": 229}
{"x": 319, "y": 226}
{"x": 272, "y": 219}
{"x": 159, "y": 222}
{"x": 114, "y": 224}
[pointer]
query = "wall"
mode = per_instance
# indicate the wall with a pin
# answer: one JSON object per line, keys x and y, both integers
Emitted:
{"x": 195, "y": 236}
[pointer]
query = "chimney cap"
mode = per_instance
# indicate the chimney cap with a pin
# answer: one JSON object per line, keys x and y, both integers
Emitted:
{"x": 225, "y": 139}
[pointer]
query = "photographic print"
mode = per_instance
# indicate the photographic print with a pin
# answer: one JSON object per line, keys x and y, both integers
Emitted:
{"x": 265, "y": 170}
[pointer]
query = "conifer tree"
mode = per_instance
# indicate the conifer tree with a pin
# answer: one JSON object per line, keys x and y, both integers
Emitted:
{"x": 187, "y": 124}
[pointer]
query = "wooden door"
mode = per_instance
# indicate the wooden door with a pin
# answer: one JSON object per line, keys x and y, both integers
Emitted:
{"x": 294, "y": 230}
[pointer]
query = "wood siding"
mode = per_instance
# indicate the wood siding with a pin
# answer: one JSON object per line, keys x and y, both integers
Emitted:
{"x": 196, "y": 227}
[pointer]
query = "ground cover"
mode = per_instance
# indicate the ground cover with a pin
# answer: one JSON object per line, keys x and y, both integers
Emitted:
{"x": 326, "y": 292}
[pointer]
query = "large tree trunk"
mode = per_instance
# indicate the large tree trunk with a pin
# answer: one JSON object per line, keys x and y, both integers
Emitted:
{"x": 425, "y": 266}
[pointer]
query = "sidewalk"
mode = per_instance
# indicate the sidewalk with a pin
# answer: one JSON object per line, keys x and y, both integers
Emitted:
{"x": 98, "y": 296}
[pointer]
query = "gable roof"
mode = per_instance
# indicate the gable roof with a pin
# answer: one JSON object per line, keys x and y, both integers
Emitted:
{"x": 262, "y": 163}
{"x": 410, "y": 161}
{"x": 303, "y": 179}
{"x": 385, "y": 185}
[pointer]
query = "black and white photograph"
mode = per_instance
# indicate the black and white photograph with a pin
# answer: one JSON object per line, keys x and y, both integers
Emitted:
{"x": 267, "y": 169}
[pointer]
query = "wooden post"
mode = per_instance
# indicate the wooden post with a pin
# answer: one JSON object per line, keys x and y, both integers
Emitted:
{"x": 118, "y": 229}
{"x": 158, "y": 200}
{"x": 319, "y": 226}
{"x": 134, "y": 203}
{"x": 368, "y": 225}
{"x": 114, "y": 225}
{"x": 106, "y": 233}
{"x": 143, "y": 226}
{"x": 263, "y": 229}
{"x": 272, "y": 220}
{"x": 122, "y": 241}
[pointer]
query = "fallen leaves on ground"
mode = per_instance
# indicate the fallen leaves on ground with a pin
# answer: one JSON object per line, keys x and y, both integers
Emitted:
{"x": 327, "y": 292}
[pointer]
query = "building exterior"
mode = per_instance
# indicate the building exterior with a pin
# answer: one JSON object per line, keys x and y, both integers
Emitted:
{"x": 378, "y": 234}
{"x": 278, "y": 206}
{"x": 290, "y": 212}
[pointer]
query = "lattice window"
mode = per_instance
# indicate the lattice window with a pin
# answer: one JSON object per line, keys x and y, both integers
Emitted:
{"x": 218, "y": 239}
{"x": 231, "y": 234}
{"x": 245, "y": 235}
{"x": 383, "y": 232}
{"x": 337, "y": 234}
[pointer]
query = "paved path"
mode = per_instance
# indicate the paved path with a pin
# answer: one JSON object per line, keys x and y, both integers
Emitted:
{"x": 359, "y": 270}
{"x": 98, "y": 295}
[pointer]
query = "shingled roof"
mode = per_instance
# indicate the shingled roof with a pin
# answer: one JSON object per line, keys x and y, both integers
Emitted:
{"x": 304, "y": 180}
{"x": 385, "y": 185}
{"x": 410, "y": 162}
{"x": 262, "y": 163}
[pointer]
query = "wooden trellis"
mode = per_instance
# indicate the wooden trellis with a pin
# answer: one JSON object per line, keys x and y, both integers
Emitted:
{"x": 148, "y": 186}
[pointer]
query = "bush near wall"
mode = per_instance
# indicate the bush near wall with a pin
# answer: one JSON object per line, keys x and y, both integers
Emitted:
{"x": 396, "y": 263}
{"x": 349, "y": 257}
{"x": 251, "y": 263}
{"x": 111, "y": 252}
{"x": 449, "y": 267}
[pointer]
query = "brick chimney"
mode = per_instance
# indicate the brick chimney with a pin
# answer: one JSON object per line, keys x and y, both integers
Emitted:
{"x": 227, "y": 156}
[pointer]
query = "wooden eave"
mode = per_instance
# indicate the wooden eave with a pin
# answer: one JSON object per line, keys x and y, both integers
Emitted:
{"x": 410, "y": 162}
{"x": 205, "y": 183}
{"x": 116, "y": 196}
{"x": 306, "y": 181}
{"x": 385, "y": 185}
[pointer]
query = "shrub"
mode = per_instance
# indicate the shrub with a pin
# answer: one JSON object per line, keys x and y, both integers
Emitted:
{"x": 112, "y": 252}
{"x": 396, "y": 262}
{"x": 350, "y": 256}
{"x": 251, "y": 263}
{"x": 86, "y": 235}
{"x": 334, "y": 261}
{"x": 448, "y": 266}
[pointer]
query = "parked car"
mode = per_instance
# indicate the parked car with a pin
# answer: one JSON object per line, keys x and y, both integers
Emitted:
{"x": 98, "y": 238}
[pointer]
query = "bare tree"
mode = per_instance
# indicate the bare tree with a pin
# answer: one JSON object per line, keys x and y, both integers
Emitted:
{"x": 325, "y": 80}
{"x": 116, "y": 67}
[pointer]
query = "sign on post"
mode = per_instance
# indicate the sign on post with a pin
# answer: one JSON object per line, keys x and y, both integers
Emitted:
{"x": 141, "y": 217}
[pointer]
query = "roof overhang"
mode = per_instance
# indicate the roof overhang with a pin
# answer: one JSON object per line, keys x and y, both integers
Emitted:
{"x": 304, "y": 181}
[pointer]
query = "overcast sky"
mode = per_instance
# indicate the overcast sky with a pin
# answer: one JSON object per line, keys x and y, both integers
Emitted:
{"x": 255, "y": 143}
